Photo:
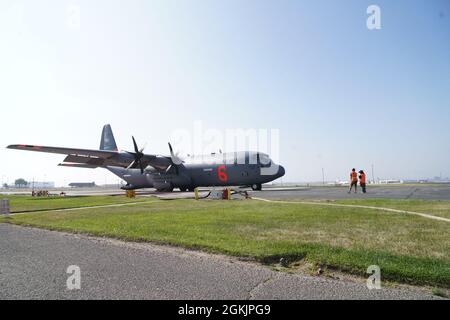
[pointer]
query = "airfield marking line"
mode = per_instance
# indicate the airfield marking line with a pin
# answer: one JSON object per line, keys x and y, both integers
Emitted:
{"x": 85, "y": 208}
{"x": 425, "y": 215}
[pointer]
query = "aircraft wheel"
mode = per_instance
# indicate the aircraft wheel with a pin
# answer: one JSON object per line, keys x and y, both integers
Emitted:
{"x": 256, "y": 187}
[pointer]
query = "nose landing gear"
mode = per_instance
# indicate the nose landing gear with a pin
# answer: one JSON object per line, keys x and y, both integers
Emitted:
{"x": 256, "y": 187}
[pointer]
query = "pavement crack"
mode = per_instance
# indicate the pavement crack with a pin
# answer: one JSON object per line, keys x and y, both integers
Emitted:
{"x": 251, "y": 293}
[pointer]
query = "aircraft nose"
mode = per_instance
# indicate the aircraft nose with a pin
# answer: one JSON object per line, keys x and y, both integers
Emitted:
{"x": 281, "y": 171}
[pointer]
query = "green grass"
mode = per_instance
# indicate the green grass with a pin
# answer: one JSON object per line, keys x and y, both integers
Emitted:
{"x": 439, "y": 208}
{"x": 408, "y": 248}
{"x": 439, "y": 292}
{"x": 20, "y": 203}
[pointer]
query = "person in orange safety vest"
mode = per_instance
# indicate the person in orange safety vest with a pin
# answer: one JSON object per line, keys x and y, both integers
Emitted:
{"x": 362, "y": 180}
{"x": 353, "y": 180}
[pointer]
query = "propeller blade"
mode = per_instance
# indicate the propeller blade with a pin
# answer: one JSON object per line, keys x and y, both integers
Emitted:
{"x": 131, "y": 165}
{"x": 174, "y": 157}
{"x": 137, "y": 154}
{"x": 136, "y": 149}
{"x": 143, "y": 148}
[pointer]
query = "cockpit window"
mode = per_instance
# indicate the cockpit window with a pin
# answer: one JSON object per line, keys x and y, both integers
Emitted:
{"x": 229, "y": 157}
{"x": 264, "y": 160}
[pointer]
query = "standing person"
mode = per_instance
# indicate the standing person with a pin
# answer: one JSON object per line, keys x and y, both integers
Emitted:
{"x": 353, "y": 180}
{"x": 362, "y": 180}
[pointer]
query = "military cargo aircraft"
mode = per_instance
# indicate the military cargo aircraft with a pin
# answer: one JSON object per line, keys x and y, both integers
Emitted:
{"x": 164, "y": 173}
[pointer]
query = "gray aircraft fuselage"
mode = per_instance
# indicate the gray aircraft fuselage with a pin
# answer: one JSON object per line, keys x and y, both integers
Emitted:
{"x": 223, "y": 169}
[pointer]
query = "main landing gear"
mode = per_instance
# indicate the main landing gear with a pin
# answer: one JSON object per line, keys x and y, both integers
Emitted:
{"x": 184, "y": 189}
{"x": 168, "y": 189}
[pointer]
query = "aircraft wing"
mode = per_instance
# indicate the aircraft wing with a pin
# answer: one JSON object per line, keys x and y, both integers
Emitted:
{"x": 68, "y": 151}
{"x": 78, "y": 165}
{"x": 87, "y": 158}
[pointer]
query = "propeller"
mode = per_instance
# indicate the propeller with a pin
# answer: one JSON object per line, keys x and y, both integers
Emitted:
{"x": 176, "y": 160}
{"x": 138, "y": 154}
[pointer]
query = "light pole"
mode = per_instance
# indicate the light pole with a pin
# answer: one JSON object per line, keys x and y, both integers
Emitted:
{"x": 323, "y": 177}
{"x": 373, "y": 176}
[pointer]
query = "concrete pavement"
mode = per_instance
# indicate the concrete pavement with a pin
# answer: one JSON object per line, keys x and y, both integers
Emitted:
{"x": 33, "y": 265}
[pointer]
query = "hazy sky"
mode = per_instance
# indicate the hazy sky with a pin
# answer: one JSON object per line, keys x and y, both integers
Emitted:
{"x": 342, "y": 96}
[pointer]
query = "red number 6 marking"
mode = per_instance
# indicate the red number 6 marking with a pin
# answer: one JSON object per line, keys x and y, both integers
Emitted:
{"x": 221, "y": 172}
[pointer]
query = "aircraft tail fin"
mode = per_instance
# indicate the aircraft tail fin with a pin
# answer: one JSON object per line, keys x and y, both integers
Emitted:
{"x": 108, "y": 142}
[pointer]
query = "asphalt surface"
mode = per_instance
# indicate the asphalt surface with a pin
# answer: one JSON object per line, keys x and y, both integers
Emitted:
{"x": 427, "y": 192}
{"x": 33, "y": 265}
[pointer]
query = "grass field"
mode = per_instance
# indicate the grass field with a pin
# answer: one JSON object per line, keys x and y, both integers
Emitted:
{"x": 28, "y": 203}
{"x": 408, "y": 248}
{"x": 439, "y": 208}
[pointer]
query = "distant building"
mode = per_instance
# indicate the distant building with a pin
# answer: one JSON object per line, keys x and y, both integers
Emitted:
{"x": 41, "y": 184}
{"x": 390, "y": 181}
{"x": 82, "y": 184}
{"x": 338, "y": 183}
{"x": 416, "y": 181}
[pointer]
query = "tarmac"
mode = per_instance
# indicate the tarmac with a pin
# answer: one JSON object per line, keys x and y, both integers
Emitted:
{"x": 424, "y": 192}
